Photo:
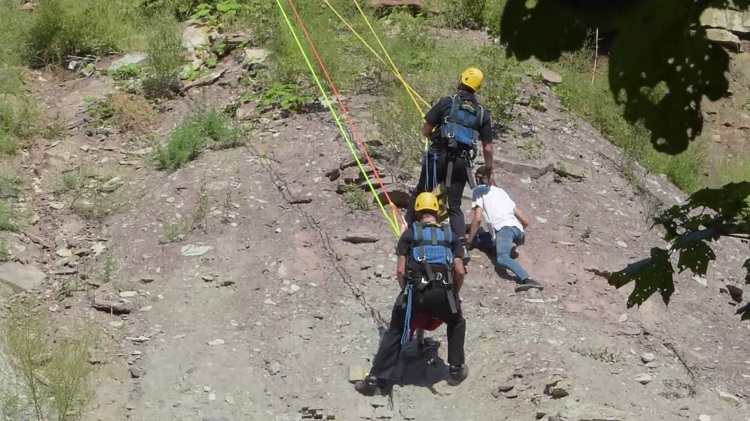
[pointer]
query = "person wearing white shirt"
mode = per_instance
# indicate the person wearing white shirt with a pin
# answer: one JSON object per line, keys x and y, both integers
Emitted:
{"x": 493, "y": 204}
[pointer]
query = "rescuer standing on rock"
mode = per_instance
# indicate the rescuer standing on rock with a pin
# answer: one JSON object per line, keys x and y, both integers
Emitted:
{"x": 454, "y": 124}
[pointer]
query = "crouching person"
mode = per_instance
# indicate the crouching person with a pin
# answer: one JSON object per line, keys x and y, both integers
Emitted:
{"x": 507, "y": 221}
{"x": 430, "y": 273}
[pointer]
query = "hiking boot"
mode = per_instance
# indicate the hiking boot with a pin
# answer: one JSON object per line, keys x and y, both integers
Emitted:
{"x": 528, "y": 284}
{"x": 368, "y": 387}
{"x": 513, "y": 253}
{"x": 458, "y": 374}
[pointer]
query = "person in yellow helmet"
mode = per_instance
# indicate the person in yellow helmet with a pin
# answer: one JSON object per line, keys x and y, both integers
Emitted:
{"x": 455, "y": 125}
{"x": 430, "y": 274}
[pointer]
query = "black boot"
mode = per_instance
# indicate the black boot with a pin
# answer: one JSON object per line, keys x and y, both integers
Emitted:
{"x": 458, "y": 374}
{"x": 370, "y": 386}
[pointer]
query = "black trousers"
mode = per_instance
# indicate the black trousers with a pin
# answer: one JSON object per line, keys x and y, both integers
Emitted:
{"x": 455, "y": 190}
{"x": 435, "y": 303}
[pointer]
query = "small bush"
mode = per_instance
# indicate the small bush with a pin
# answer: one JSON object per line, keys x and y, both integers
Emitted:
{"x": 18, "y": 114}
{"x": 176, "y": 230}
{"x": 129, "y": 71}
{"x": 62, "y": 28}
{"x": 165, "y": 56}
{"x": 472, "y": 14}
{"x": 356, "y": 198}
{"x": 55, "y": 376}
{"x": 4, "y": 250}
{"x": 10, "y": 187}
{"x": 8, "y": 218}
{"x": 205, "y": 127}
{"x": 91, "y": 194}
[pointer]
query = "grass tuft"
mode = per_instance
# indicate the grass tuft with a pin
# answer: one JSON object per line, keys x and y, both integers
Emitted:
{"x": 204, "y": 127}
{"x": 54, "y": 376}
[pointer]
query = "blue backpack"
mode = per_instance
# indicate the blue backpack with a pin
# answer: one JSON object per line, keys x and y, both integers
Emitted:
{"x": 432, "y": 244}
{"x": 463, "y": 121}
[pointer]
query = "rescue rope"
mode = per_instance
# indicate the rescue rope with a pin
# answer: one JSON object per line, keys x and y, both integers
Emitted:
{"x": 394, "y": 69}
{"x": 412, "y": 93}
{"x": 406, "y": 336}
{"x": 396, "y": 216}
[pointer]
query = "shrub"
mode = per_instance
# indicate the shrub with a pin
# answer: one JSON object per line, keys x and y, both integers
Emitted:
{"x": 61, "y": 28}
{"x": 165, "y": 56}
{"x": 18, "y": 116}
{"x": 55, "y": 377}
{"x": 205, "y": 127}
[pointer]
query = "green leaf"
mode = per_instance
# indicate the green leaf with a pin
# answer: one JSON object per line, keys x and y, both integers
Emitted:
{"x": 744, "y": 311}
{"x": 651, "y": 275}
{"x": 696, "y": 256}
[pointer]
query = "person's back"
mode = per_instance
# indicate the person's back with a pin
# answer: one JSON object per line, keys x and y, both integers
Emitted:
{"x": 497, "y": 206}
{"x": 493, "y": 205}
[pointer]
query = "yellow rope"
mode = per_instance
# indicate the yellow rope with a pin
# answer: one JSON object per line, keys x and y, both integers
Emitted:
{"x": 394, "y": 224}
{"x": 412, "y": 93}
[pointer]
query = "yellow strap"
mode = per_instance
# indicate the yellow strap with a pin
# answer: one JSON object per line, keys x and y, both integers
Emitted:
{"x": 394, "y": 225}
{"x": 412, "y": 93}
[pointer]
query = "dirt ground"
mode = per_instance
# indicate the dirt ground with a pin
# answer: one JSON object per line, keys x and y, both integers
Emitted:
{"x": 260, "y": 313}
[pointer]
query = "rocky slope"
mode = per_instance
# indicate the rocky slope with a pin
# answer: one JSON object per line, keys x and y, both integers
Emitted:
{"x": 267, "y": 308}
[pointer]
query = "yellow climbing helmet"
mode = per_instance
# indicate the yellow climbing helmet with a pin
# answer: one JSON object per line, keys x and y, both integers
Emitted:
{"x": 426, "y": 201}
{"x": 473, "y": 78}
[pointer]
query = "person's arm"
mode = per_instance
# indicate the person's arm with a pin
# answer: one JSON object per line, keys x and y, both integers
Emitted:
{"x": 525, "y": 221}
{"x": 475, "y": 221}
{"x": 433, "y": 117}
{"x": 487, "y": 151}
{"x": 459, "y": 272}
{"x": 485, "y": 135}
{"x": 402, "y": 249}
{"x": 401, "y": 271}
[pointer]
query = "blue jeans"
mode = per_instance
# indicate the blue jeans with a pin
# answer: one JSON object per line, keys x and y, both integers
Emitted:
{"x": 504, "y": 243}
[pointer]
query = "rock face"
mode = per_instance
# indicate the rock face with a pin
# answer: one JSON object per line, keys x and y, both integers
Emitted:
{"x": 550, "y": 77}
{"x": 20, "y": 277}
{"x": 723, "y": 25}
{"x": 723, "y": 37}
{"x": 728, "y": 19}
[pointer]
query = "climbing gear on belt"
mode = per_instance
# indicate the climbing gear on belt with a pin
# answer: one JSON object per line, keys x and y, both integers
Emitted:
{"x": 473, "y": 78}
{"x": 442, "y": 194}
{"x": 409, "y": 296}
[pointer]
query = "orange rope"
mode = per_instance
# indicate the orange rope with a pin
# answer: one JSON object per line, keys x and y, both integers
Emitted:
{"x": 346, "y": 113}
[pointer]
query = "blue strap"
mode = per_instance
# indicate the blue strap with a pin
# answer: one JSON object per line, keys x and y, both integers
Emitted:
{"x": 434, "y": 171}
{"x": 407, "y": 320}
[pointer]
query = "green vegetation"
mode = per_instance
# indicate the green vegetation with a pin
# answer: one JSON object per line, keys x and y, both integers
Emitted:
{"x": 165, "y": 56}
{"x": 594, "y": 102}
{"x": 10, "y": 187}
{"x": 356, "y": 198}
{"x": 203, "y": 128}
{"x": 53, "y": 374}
{"x": 62, "y": 28}
{"x": 18, "y": 112}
